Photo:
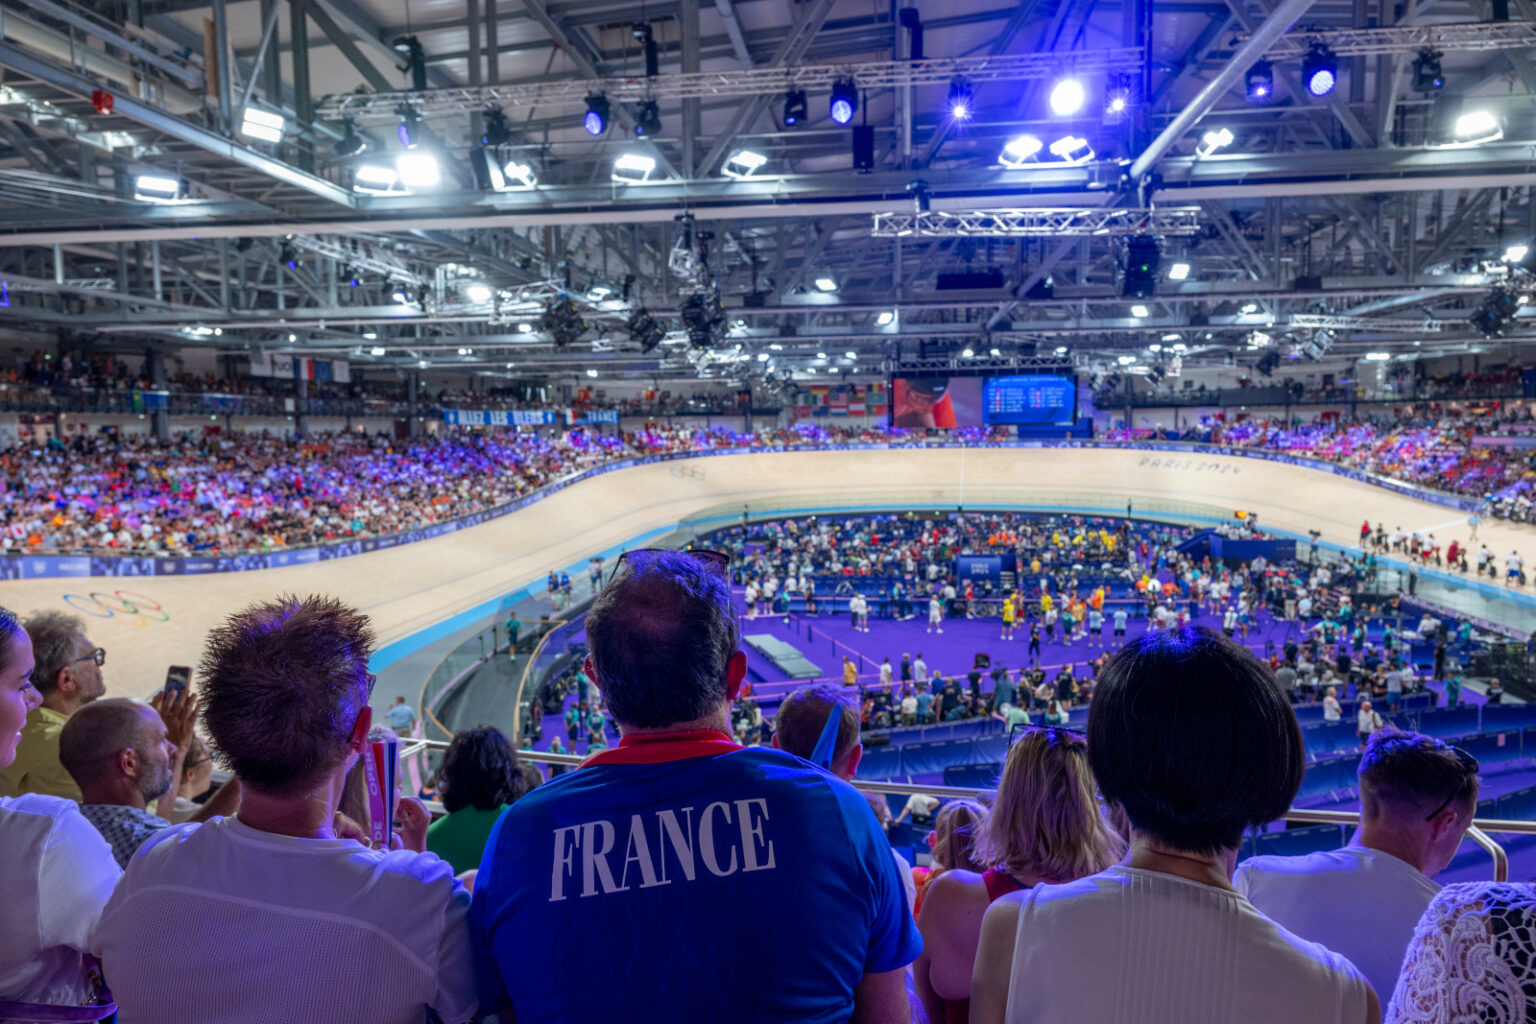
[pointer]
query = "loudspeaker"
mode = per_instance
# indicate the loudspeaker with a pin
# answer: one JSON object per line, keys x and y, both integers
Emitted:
{"x": 863, "y": 147}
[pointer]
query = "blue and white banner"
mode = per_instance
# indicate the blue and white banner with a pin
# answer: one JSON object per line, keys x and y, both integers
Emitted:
{"x": 498, "y": 418}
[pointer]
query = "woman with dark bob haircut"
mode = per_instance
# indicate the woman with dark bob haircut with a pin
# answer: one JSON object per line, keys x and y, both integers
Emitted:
{"x": 479, "y": 778}
{"x": 1190, "y": 737}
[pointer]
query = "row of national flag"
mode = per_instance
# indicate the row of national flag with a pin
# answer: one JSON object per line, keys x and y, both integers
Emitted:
{"x": 841, "y": 400}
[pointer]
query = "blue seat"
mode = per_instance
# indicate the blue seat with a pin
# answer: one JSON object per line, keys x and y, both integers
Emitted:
{"x": 974, "y": 776}
{"x": 1493, "y": 748}
{"x": 1321, "y": 780}
{"x": 991, "y": 748}
{"x": 880, "y": 762}
{"x": 1502, "y": 717}
{"x": 1309, "y": 714}
{"x": 1449, "y": 722}
{"x": 1518, "y": 806}
{"x": 1330, "y": 738}
{"x": 919, "y": 758}
{"x": 1420, "y": 701}
{"x": 1295, "y": 842}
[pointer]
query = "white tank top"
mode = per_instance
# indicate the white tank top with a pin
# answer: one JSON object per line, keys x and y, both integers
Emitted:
{"x": 1128, "y": 946}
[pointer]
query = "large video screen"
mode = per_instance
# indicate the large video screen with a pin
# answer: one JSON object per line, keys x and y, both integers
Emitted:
{"x": 1034, "y": 399}
{"x": 946, "y": 402}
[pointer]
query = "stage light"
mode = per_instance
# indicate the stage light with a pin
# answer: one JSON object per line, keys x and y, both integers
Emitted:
{"x": 1019, "y": 150}
{"x": 1142, "y": 253}
{"x": 1125, "y": 360}
{"x": 743, "y": 164}
{"x": 845, "y": 100}
{"x": 961, "y": 99}
{"x": 525, "y": 328}
{"x": 595, "y": 120}
{"x": 1178, "y": 272}
{"x": 632, "y": 168}
{"x": 1260, "y": 82}
{"x": 1067, "y": 97}
{"x": 1427, "y": 76}
{"x": 375, "y": 178}
{"x": 1072, "y": 149}
{"x": 1140, "y": 312}
{"x": 1211, "y": 141}
{"x": 262, "y": 125}
{"x": 400, "y": 296}
{"x": 1061, "y": 350}
{"x": 157, "y": 188}
{"x": 591, "y": 373}
{"x": 563, "y": 322}
{"x": 1117, "y": 98}
{"x": 1377, "y": 357}
{"x": 377, "y": 350}
{"x": 969, "y": 353}
{"x": 1516, "y": 253}
{"x": 644, "y": 329}
{"x": 647, "y": 119}
{"x": 826, "y": 284}
{"x": 1320, "y": 70}
{"x": 477, "y": 293}
{"x": 418, "y": 170}
{"x": 350, "y": 143}
{"x": 519, "y": 175}
{"x": 408, "y": 131}
{"x": 497, "y": 131}
{"x": 1477, "y": 126}
{"x": 794, "y": 107}
{"x": 885, "y": 319}
{"x": 703, "y": 316}
{"x": 850, "y": 355}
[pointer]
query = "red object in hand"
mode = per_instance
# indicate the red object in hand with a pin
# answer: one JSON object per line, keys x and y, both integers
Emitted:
{"x": 102, "y": 101}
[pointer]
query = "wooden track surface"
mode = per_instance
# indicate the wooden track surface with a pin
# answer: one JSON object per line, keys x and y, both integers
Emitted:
{"x": 407, "y": 589}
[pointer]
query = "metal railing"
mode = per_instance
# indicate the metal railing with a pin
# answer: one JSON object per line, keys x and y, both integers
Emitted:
{"x": 1479, "y": 832}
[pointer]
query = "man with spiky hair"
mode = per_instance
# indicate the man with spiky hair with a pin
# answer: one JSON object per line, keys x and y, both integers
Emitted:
{"x": 275, "y": 915}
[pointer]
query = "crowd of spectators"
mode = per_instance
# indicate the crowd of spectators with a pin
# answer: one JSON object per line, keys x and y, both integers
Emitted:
{"x": 1439, "y": 452}
{"x": 243, "y": 493}
{"x": 686, "y": 855}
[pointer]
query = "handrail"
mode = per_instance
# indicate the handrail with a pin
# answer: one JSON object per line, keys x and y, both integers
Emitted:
{"x": 522, "y": 683}
{"x": 1477, "y": 832}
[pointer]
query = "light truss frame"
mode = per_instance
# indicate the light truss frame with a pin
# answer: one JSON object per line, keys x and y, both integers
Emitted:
{"x": 1017, "y": 361}
{"x": 360, "y": 257}
{"x": 1473, "y": 36}
{"x": 383, "y": 107}
{"x": 1327, "y": 322}
{"x": 1043, "y": 222}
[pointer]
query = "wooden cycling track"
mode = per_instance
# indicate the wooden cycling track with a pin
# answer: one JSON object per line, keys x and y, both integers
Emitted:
{"x": 409, "y": 588}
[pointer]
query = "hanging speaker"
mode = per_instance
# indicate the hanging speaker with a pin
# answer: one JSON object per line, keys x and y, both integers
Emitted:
{"x": 863, "y": 147}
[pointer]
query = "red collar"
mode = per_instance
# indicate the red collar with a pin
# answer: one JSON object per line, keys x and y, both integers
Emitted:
{"x": 660, "y": 747}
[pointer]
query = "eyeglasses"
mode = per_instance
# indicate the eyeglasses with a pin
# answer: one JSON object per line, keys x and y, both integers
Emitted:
{"x": 1054, "y": 735}
{"x": 1470, "y": 766}
{"x": 99, "y": 656}
{"x": 372, "y": 680}
{"x": 717, "y": 562}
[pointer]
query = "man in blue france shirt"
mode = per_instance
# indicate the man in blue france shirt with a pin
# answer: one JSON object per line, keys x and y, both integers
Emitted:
{"x": 692, "y": 868}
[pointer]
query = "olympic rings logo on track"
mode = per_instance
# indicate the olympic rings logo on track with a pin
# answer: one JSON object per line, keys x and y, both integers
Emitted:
{"x": 119, "y": 603}
{"x": 687, "y": 472}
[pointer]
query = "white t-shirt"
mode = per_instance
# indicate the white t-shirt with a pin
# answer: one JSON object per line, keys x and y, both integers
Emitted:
{"x": 1150, "y": 948}
{"x": 1333, "y": 711}
{"x": 268, "y": 927}
{"x": 922, "y": 804}
{"x": 1367, "y": 722}
{"x": 1361, "y": 903}
{"x": 885, "y": 673}
{"x": 58, "y": 873}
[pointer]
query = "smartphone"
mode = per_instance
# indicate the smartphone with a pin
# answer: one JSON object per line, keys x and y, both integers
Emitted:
{"x": 176, "y": 678}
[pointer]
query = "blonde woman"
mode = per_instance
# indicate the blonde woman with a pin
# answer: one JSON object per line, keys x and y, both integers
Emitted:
{"x": 1045, "y": 826}
{"x": 952, "y": 843}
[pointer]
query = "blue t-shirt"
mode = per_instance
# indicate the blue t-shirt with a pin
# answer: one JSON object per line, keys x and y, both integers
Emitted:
{"x": 924, "y": 702}
{"x": 687, "y": 876}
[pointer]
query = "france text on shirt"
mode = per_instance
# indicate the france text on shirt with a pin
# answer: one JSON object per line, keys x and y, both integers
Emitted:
{"x": 723, "y": 838}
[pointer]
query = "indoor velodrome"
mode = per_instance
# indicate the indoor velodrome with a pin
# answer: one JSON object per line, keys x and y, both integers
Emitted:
{"x": 767, "y": 512}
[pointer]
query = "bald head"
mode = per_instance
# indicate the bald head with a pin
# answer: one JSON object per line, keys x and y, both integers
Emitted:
{"x": 115, "y": 744}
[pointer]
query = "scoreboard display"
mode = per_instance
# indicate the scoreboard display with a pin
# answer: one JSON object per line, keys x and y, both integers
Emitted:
{"x": 1029, "y": 400}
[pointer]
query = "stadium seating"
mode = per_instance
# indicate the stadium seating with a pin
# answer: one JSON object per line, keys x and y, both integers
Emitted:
{"x": 1294, "y": 842}
{"x": 1449, "y": 723}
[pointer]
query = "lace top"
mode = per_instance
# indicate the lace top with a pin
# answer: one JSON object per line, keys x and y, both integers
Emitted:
{"x": 1472, "y": 959}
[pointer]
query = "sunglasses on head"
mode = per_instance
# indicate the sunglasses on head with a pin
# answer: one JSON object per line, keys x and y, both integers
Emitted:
{"x": 1470, "y": 766}
{"x": 1054, "y": 735}
{"x": 717, "y": 562}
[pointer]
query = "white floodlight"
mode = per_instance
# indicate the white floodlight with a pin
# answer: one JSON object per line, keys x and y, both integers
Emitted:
{"x": 1516, "y": 253}
{"x": 743, "y": 164}
{"x": 826, "y": 284}
{"x": 1211, "y": 141}
{"x": 374, "y": 178}
{"x": 1377, "y": 357}
{"x": 1127, "y": 360}
{"x": 525, "y": 328}
{"x": 1140, "y": 312}
{"x": 632, "y": 168}
{"x": 418, "y": 169}
{"x": 1067, "y": 97}
{"x": 262, "y": 125}
{"x": 1178, "y": 272}
{"x": 1072, "y": 149}
{"x": 1019, "y": 150}
{"x": 591, "y": 373}
{"x": 377, "y": 350}
{"x": 519, "y": 175}
{"x": 156, "y": 187}
{"x": 885, "y": 319}
{"x": 1476, "y": 127}
{"x": 478, "y": 293}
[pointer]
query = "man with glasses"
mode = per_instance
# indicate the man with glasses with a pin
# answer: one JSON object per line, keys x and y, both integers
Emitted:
{"x": 1417, "y": 797}
{"x": 68, "y": 675}
{"x": 680, "y": 856}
